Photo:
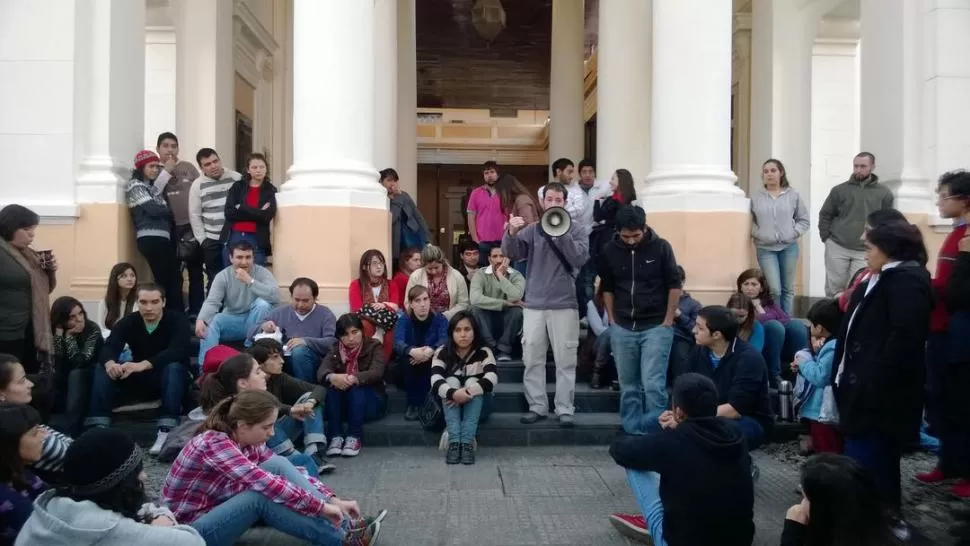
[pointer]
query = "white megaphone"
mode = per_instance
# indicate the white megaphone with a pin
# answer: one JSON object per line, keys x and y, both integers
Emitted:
{"x": 555, "y": 221}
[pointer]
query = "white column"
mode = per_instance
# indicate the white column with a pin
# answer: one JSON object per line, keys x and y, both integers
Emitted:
{"x": 333, "y": 125}
{"x": 205, "y": 93}
{"x": 891, "y": 72}
{"x": 623, "y": 76}
{"x": 109, "y": 96}
{"x": 407, "y": 98}
{"x": 566, "y": 81}
{"x": 947, "y": 85}
{"x": 385, "y": 94}
{"x": 160, "y": 61}
{"x": 691, "y": 109}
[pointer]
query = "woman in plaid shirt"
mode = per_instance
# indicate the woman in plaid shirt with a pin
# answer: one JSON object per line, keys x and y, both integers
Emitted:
{"x": 225, "y": 479}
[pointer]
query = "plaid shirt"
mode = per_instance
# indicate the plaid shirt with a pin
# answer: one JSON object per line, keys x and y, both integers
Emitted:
{"x": 212, "y": 468}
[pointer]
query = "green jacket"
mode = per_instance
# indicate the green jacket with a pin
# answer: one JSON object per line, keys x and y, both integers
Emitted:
{"x": 843, "y": 215}
{"x": 488, "y": 292}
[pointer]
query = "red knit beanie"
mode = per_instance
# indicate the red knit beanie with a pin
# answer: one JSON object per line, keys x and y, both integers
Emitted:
{"x": 145, "y": 157}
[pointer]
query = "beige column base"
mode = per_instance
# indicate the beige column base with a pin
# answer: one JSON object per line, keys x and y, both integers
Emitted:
{"x": 932, "y": 238}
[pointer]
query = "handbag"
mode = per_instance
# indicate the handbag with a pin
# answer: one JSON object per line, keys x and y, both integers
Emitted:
{"x": 379, "y": 316}
{"x": 431, "y": 414}
{"x": 829, "y": 412}
{"x": 187, "y": 247}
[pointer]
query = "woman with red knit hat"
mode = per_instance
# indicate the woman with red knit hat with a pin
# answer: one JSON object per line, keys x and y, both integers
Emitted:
{"x": 154, "y": 225}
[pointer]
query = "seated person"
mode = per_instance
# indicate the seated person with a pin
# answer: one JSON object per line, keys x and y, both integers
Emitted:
{"x": 416, "y": 336}
{"x": 783, "y": 336}
{"x": 469, "y": 253}
{"x": 684, "y": 318}
{"x": 104, "y": 501}
{"x": 692, "y": 482}
{"x": 77, "y": 348}
{"x": 305, "y": 400}
{"x": 372, "y": 295}
{"x": 119, "y": 300}
{"x": 463, "y": 373}
{"x": 354, "y": 375}
{"x": 749, "y": 329}
{"x": 159, "y": 343}
{"x": 306, "y": 329}
{"x": 496, "y": 303}
{"x": 598, "y": 320}
{"x": 22, "y": 436}
{"x": 226, "y": 479}
{"x": 239, "y": 299}
{"x": 446, "y": 285}
{"x": 409, "y": 261}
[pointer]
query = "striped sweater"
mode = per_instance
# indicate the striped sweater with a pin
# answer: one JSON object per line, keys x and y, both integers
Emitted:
{"x": 477, "y": 372}
{"x": 149, "y": 210}
{"x": 52, "y": 452}
{"x": 207, "y": 205}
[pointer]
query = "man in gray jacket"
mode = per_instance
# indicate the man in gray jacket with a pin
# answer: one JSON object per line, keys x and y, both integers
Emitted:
{"x": 550, "y": 306}
{"x": 842, "y": 221}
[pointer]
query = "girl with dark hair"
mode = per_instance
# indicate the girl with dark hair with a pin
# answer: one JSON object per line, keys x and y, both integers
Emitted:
{"x": 416, "y": 337}
{"x": 517, "y": 200}
{"x": 226, "y": 479}
{"x": 876, "y": 218}
{"x": 250, "y": 208}
{"x": 77, "y": 347}
{"x": 604, "y": 210}
{"x": 21, "y": 444}
{"x": 783, "y": 336}
{"x": 749, "y": 329}
{"x": 119, "y": 300}
{"x": 374, "y": 298}
{"x": 840, "y": 506}
{"x": 409, "y": 262}
{"x": 779, "y": 217}
{"x": 353, "y": 372}
{"x": 103, "y": 500}
{"x": 463, "y": 372}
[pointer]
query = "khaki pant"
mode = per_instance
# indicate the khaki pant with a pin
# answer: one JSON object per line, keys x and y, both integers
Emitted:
{"x": 840, "y": 264}
{"x": 539, "y": 328}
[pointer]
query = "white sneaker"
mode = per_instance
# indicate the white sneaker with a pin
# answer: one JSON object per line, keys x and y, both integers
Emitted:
{"x": 159, "y": 442}
{"x": 443, "y": 443}
{"x": 351, "y": 447}
{"x": 336, "y": 446}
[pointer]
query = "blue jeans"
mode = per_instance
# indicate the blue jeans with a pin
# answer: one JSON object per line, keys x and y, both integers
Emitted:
{"x": 417, "y": 381}
{"x": 303, "y": 362}
{"x": 646, "y": 490}
{"x": 259, "y": 254}
{"x": 585, "y": 280}
{"x": 462, "y": 421}
{"x": 227, "y": 327}
{"x": 782, "y": 341}
{"x": 522, "y": 266}
{"x": 641, "y": 367}
{"x": 880, "y": 456}
{"x": 356, "y": 406}
{"x": 225, "y": 523}
{"x": 779, "y": 269}
{"x": 289, "y": 430}
{"x": 169, "y": 379}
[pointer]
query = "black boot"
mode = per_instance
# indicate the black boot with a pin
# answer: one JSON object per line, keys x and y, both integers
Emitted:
{"x": 453, "y": 456}
{"x": 596, "y": 380}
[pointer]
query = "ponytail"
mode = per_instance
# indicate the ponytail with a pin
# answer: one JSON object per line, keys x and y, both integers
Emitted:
{"x": 249, "y": 406}
{"x": 218, "y": 386}
{"x": 217, "y": 418}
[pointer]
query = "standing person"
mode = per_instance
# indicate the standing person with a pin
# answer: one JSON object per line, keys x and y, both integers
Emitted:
{"x": 27, "y": 278}
{"x": 496, "y": 303}
{"x": 21, "y": 445}
{"x": 486, "y": 222}
{"x": 175, "y": 179}
{"x": 517, "y": 201}
{"x": 605, "y": 210}
{"x": 154, "y": 223}
{"x": 408, "y": 228}
{"x": 550, "y": 313}
{"x": 842, "y": 219}
{"x": 207, "y": 209}
{"x": 955, "y": 461}
{"x": 641, "y": 289}
{"x": 779, "y": 218}
{"x": 417, "y": 335}
{"x": 881, "y": 358}
{"x": 814, "y": 369}
{"x": 875, "y": 218}
{"x": 77, "y": 348}
{"x": 250, "y": 207}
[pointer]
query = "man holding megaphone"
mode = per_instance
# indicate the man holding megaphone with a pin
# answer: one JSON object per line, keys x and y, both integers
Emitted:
{"x": 556, "y": 250}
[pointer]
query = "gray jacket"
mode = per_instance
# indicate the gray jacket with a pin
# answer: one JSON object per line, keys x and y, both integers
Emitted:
{"x": 548, "y": 285}
{"x": 843, "y": 215}
{"x": 777, "y": 222}
{"x": 235, "y": 297}
{"x": 402, "y": 205}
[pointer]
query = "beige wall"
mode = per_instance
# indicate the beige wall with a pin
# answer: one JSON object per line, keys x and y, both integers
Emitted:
{"x": 245, "y": 98}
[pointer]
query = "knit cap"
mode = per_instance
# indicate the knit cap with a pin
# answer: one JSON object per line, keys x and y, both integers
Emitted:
{"x": 145, "y": 157}
{"x": 99, "y": 460}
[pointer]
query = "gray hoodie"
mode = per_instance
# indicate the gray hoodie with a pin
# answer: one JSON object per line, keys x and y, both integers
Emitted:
{"x": 61, "y": 521}
{"x": 777, "y": 222}
{"x": 548, "y": 285}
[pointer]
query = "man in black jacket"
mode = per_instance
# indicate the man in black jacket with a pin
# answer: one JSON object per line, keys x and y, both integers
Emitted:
{"x": 692, "y": 481}
{"x": 641, "y": 289}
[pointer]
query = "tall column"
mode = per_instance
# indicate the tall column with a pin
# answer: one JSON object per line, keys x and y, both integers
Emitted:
{"x": 566, "y": 81}
{"x": 407, "y": 98}
{"x": 205, "y": 77}
{"x": 623, "y": 76}
{"x": 891, "y": 72}
{"x": 332, "y": 193}
{"x": 385, "y": 94}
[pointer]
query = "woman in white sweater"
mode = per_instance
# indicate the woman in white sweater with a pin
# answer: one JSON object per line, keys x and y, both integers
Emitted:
{"x": 446, "y": 286}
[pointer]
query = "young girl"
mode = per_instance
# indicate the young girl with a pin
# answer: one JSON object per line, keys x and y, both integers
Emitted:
{"x": 77, "y": 347}
{"x": 462, "y": 373}
{"x": 103, "y": 500}
{"x": 416, "y": 337}
{"x": 21, "y": 444}
{"x": 783, "y": 336}
{"x": 599, "y": 326}
{"x": 814, "y": 369}
{"x": 409, "y": 261}
{"x": 373, "y": 295}
{"x": 354, "y": 373}
{"x": 120, "y": 298}
{"x": 750, "y": 330}
{"x": 226, "y": 479}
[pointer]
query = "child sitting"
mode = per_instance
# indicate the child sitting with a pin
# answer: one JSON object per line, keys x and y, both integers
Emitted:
{"x": 814, "y": 369}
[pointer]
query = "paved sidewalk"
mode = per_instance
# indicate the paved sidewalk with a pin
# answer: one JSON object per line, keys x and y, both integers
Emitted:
{"x": 512, "y": 496}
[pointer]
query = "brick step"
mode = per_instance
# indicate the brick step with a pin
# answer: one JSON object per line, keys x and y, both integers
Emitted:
{"x": 509, "y": 398}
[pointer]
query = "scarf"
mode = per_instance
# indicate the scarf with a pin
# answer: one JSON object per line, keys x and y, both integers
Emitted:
{"x": 349, "y": 357}
{"x": 41, "y": 284}
{"x": 368, "y": 292}
{"x": 618, "y": 197}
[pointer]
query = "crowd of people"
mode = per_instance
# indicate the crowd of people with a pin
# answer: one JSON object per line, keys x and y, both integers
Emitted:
{"x": 284, "y": 386}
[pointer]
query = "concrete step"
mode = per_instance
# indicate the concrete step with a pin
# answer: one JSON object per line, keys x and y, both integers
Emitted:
{"x": 509, "y": 398}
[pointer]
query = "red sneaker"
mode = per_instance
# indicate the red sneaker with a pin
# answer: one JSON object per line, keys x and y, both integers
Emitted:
{"x": 961, "y": 489}
{"x": 632, "y": 526}
{"x": 933, "y": 476}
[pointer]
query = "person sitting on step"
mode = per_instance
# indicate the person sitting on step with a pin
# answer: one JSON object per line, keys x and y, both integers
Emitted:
{"x": 409, "y": 262}
{"x": 470, "y": 256}
{"x": 783, "y": 336}
{"x": 598, "y": 321}
{"x": 372, "y": 295}
{"x": 77, "y": 348}
{"x": 241, "y": 296}
{"x": 749, "y": 329}
{"x": 159, "y": 343}
{"x": 306, "y": 329}
{"x": 354, "y": 375}
{"x": 22, "y": 436}
{"x": 416, "y": 336}
{"x": 692, "y": 482}
{"x": 496, "y": 302}
{"x": 120, "y": 297}
{"x": 684, "y": 319}
{"x": 446, "y": 285}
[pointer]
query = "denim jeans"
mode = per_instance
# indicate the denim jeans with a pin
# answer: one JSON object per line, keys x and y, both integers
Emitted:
{"x": 169, "y": 379}
{"x": 227, "y": 327}
{"x": 522, "y": 266}
{"x": 78, "y": 398}
{"x": 356, "y": 406}
{"x": 417, "y": 381}
{"x": 779, "y": 269}
{"x": 289, "y": 430}
{"x": 303, "y": 363}
{"x": 646, "y": 490}
{"x": 462, "y": 421}
{"x": 507, "y": 323}
{"x": 225, "y": 523}
{"x": 782, "y": 341}
{"x": 585, "y": 280}
{"x": 259, "y": 254}
{"x": 641, "y": 365}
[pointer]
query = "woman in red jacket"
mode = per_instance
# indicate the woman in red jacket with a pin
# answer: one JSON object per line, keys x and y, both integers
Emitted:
{"x": 371, "y": 294}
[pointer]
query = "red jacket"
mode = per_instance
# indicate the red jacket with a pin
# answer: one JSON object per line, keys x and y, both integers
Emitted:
{"x": 400, "y": 281}
{"x": 357, "y": 299}
{"x": 940, "y": 318}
